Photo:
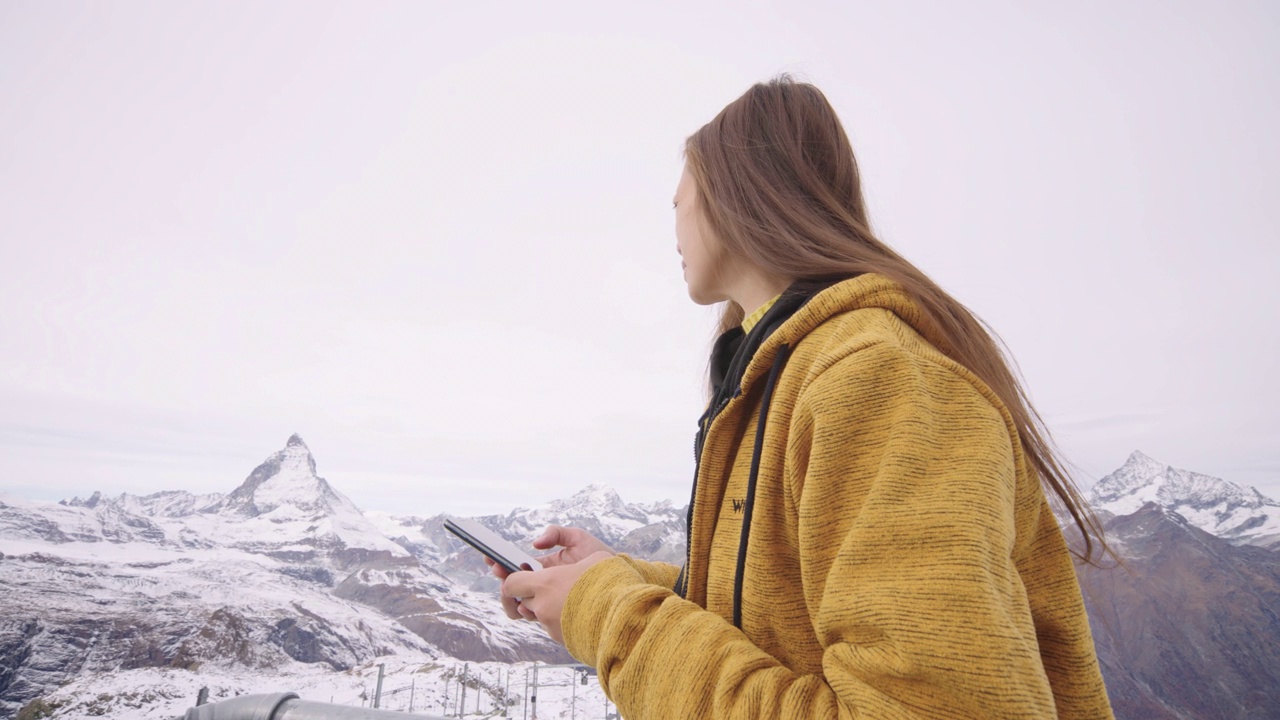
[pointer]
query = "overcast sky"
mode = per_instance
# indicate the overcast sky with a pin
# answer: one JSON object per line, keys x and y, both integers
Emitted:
{"x": 438, "y": 243}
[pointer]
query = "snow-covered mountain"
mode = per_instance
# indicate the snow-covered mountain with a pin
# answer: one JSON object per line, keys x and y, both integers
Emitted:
{"x": 1225, "y": 509}
{"x": 654, "y": 531}
{"x": 282, "y": 507}
{"x": 123, "y": 607}
{"x": 279, "y": 575}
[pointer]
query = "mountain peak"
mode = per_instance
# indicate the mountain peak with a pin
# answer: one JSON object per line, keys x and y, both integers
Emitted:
{"x": 592, "y": 500}
{"x": 91, "y": 503}
{"x": 288, "y": 477}
{"x": 1140, "y": 460}
{"x": 1214, "y": 505}
{"x": 596, "y": 490}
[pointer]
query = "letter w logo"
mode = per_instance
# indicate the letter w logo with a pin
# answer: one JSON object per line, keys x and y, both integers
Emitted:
{"x": 738, "y": 504}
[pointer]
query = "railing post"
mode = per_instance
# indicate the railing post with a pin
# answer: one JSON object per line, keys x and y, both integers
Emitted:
{"x": 462, "y": 699}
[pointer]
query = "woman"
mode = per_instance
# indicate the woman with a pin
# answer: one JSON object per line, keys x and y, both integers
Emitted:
{"x": 868, "y": 534}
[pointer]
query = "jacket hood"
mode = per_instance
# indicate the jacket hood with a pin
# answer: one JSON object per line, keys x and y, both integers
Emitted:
{"x": 859, "y": 293}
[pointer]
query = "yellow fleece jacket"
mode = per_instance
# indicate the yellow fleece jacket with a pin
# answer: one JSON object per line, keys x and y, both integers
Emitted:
{"x": 902, "y": 561}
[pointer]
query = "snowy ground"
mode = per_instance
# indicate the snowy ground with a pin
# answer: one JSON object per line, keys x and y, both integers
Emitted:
{"x": 421, "y": 685}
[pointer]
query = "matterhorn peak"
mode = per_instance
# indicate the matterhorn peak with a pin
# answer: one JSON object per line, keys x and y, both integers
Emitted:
{"x": 287, "y": 478}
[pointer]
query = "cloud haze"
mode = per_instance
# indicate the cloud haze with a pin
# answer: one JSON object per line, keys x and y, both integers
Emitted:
{"x": 437, "y": 243}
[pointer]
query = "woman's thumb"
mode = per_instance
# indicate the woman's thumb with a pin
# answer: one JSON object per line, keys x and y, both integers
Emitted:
{"x": 549, "y": 539}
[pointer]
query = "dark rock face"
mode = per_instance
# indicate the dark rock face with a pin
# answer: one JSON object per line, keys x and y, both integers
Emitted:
{"x": 224, "y": 638}
{"x": 40, "y": 652}
{"x": 120, "y": 526}
{"x": 15, "y": 652}
{"x": 19, "y": 525}
{"x": 298, "y": 642}
{"x": 317, "y": 575}
{"x": 1188, "y": 627}
{"x": 36, "y": 654}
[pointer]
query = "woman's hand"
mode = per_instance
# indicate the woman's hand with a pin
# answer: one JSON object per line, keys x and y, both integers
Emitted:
{"x": 540, "y": 595}
{"x": 575, "y": 545}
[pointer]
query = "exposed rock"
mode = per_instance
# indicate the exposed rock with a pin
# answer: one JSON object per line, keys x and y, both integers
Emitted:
{"x": 1187, "y": 627}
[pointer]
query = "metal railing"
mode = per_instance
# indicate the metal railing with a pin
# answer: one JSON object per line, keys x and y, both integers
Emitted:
{"x": 287, "y": 706}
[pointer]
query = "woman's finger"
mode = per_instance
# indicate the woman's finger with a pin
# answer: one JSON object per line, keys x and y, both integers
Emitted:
{"x": 511, "y": 596}
{"x": 497, "y": 570}
{"x": 550, "y": 538}
{"x": 519, "y": 585}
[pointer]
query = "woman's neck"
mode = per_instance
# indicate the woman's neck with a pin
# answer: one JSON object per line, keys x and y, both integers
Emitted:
{"x": 754, "y": 290}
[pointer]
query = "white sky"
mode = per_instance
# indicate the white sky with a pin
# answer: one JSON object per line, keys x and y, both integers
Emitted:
{"x": 438, "y": 243}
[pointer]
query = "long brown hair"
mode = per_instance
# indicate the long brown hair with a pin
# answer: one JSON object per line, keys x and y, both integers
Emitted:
{"x": 779, "y": 185}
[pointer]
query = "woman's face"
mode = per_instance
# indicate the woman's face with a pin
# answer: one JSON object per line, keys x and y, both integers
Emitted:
{"x": 701, "y": 252}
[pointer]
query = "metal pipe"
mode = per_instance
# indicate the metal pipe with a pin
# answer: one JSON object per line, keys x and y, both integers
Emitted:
{"x": 287, "y": 706}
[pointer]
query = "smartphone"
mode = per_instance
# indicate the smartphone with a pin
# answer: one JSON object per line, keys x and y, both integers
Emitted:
{"x": 493, "y": 545}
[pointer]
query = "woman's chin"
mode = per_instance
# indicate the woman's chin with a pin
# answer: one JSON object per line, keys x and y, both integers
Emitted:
{"x": 702, "y": 297}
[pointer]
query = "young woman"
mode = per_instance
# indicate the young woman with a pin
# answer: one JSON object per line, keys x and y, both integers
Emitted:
{"x": 870, "y": 532}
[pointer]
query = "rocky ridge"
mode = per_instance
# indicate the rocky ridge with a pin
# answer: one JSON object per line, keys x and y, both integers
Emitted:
{"x": 1186, "y": 627}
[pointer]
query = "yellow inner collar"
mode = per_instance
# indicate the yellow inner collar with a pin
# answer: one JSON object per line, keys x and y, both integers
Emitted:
{"x": 750, "y": 321}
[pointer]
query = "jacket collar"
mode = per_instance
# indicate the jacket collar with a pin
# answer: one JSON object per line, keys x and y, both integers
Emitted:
{"x": 813, "y": 302}
{"x": 734, "y": 349}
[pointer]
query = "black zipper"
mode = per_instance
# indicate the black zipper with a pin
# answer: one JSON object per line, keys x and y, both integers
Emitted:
{"x": 704, "y": 426}
{"x": 779, "y": 362}
{"x": 799, "y": 293}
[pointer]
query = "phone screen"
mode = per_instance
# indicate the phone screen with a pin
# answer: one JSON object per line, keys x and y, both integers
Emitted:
{"x": 494, "y": 546}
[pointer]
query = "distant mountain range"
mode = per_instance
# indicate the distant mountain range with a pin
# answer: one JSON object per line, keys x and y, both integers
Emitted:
{"x": 284, "y": 575}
